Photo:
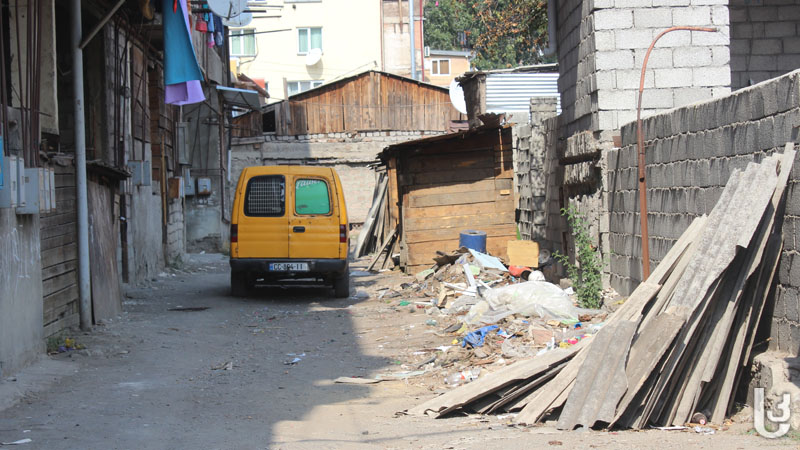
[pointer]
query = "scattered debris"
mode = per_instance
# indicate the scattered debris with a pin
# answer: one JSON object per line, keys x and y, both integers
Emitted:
{"x": 19, "y": 442}
{"x": 224, "y": 366}
{"x": 676, "y": 347}
{"x": 356, "y": 380}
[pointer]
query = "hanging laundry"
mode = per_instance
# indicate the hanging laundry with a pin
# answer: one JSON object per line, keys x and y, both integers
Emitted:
{"x": 219, "y": 33}
{"x": 182, "y": 75}
{"x": 210, "y": 19}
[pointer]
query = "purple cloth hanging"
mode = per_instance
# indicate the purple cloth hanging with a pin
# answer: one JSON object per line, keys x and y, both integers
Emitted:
{"x": 184, "y": 93}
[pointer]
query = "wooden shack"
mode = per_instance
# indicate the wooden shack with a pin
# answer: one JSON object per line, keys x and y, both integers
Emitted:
{"x": 369, "y": 101}
{"x": 442, "y": 185}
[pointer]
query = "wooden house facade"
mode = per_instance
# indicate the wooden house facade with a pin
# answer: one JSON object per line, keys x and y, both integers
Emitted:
{"x": 443, "y": 185}
{"x": 367, "y": 102}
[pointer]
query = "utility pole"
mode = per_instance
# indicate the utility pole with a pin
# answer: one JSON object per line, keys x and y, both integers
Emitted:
{"x": 412, "y": 38}
{"x": 84, "y": 282}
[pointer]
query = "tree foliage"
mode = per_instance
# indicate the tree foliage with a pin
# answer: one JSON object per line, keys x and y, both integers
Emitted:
{"x": 502, "y": 33}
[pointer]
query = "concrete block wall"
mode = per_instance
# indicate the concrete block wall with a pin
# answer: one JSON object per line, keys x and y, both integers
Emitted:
{"x": 684, "y": 67}
{"x": 145, "y": 249}
{"x": 765, "y": 39}
{"x": 602, "y": 45}
{"x": 577, "y": 81}
{"x": 176, "y": 236}
{"x": 21, "y": 307}
{"x": 530, "y": 178}
{"x": 691, "y": 152}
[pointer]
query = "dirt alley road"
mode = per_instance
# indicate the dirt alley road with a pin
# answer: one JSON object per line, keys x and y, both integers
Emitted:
{"x": 219, "y": 379}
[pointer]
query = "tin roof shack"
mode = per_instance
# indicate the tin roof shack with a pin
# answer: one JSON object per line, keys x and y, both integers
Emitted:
{"x": 508, "y": 91}
{"x": 442, "y": 185}
{"x": 368, "y": 101}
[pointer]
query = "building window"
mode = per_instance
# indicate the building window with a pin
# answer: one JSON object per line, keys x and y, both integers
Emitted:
{"x": 308, "y": 39}
{"x": 296, "y": 87}
{"x": 243, "y": 42}
{"x": 440, "y": 67}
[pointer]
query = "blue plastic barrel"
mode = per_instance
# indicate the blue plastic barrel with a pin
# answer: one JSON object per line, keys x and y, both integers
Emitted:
{"x": 474, "y": 239}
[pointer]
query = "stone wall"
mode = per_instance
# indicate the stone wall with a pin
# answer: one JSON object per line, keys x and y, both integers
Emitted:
{"x": 691, "y": 152}
{"x": 765, "y": 39}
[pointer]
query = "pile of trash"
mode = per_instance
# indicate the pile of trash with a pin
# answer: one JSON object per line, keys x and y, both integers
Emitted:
{"x": 493, "y": 313}
{"x": 674, "y": 354}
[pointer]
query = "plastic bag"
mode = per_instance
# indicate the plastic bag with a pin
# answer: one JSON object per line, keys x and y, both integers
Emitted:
{"x": 531, "y": 298}
{"x": 539, "y": 298}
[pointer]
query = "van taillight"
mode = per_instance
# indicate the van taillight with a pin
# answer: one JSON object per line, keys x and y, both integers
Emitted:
{"x": 234, "y": 233}
{"x": 342, "y": 233}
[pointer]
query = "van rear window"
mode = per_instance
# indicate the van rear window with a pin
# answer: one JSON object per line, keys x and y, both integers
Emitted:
{"x": 311, "y": 197}
{"x": 265, "y": 196}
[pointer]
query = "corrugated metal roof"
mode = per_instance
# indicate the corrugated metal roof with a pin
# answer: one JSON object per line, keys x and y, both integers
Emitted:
{"x": 509, "y": 92}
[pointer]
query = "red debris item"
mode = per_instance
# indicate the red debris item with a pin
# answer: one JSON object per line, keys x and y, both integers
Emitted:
{"x": 517, "y": 270}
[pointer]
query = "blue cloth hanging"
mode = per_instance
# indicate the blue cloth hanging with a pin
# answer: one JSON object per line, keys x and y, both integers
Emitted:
{"x": 180, "y": 63}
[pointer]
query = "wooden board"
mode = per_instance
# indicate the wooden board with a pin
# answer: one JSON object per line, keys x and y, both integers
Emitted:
{"x": 485, "y": 385}
{"x": 459, "y": 198}
{"x": 106, "y": 292}
{"x": 467, "y": 186}
{"x": 523, "y": 253}
{"x": 458, "y": 222}
{"x": 442, "y": 234}
{"x": 504, "y": 205}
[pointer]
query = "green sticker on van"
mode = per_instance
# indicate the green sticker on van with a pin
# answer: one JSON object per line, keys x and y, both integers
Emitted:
{"x": 311, "y": 197}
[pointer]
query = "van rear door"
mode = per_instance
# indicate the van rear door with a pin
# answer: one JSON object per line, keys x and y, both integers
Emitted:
{"x": 264, "y": 218}
{"x": 314, "y": 222}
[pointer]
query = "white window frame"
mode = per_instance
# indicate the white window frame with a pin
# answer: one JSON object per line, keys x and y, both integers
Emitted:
{"x": 438, "y": 62}
{"x": 308, "y": 37}
{"x": 311, "y": 85}
{"x": 240, "y": 33}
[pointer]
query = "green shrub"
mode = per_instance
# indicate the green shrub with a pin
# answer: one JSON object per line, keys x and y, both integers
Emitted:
{"x": 586, "y": 272}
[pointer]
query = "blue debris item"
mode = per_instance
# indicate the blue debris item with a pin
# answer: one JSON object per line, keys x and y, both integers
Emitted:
{"x": 476, "y": 338}
{"x": 474, "y": 239}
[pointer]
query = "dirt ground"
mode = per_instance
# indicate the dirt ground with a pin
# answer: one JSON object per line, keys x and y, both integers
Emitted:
{"x": 258, "y": 373}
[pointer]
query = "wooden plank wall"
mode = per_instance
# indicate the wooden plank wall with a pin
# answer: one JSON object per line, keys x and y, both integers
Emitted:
{"x": 372, "y": 101}
{"x": 161, "y": 124}
{"x": 248, "y": 124}
{"x": 60, "y": 257}
{"x": 453, "y": 186}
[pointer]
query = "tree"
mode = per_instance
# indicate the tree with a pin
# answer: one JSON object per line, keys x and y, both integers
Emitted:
{"x": 503, "y": 33}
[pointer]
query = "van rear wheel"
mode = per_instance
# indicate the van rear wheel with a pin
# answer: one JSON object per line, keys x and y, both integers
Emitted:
{"x": 341, "y": 285}
{"x": 239, "y": 284}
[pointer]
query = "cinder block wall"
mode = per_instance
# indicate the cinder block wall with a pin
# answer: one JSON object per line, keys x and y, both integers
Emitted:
{"x": 691, "y": 152}
{"x": 530, "y": 171}
{"x": 684, "y": 67}
{"x": 765, "y": 39}
{"x": 602, "y": 45}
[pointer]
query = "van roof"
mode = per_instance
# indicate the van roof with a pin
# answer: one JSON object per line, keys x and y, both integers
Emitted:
{"x": 288, "y": 170}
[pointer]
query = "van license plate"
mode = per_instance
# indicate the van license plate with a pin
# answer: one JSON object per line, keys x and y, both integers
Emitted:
{"x": 288, "y": 267}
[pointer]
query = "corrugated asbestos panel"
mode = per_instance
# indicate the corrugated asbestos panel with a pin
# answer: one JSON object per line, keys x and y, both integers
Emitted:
{"x": 508, "y": 92}
{"x": 601, "y": 382}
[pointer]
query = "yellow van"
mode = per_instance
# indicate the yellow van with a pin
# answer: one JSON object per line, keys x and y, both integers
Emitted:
{"x": 288, "y": 223}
